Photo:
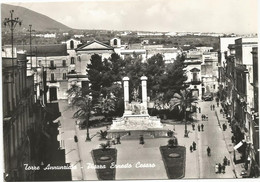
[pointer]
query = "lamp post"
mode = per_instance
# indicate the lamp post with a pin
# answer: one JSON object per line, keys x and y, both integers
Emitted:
{"x": 30, "y": 30}
{"x": 11, "y": 23}
{"x": 187, "y": 100}
{"x": 185, "y": 114}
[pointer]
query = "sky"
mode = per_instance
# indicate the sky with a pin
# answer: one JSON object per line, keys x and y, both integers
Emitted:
{"x": 222, "y": 16}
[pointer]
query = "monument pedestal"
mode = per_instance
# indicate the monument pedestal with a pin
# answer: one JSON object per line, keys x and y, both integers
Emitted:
{"x": 132, "y": 126}
{"x": 136, "y": 120}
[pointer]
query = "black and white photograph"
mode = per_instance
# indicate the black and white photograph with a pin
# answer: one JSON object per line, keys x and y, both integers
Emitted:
{"x": 129, "y": 90}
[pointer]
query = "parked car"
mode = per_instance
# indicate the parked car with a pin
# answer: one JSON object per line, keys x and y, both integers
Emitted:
{"x": 207, "y": 97}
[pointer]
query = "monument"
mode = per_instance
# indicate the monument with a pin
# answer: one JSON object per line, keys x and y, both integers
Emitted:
{"x": 136, "y": 121}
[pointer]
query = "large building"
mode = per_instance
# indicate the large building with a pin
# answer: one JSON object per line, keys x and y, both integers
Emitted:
{"x": 193, "y": 73}
{"x": 240, "y": 98}
{"x": 53, "y": 59}
{"x": 20, "y": 125}
{"x": 209, "y": 72}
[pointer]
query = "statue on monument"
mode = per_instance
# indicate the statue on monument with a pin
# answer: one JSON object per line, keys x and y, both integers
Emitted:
{"x": 135, "y": 95}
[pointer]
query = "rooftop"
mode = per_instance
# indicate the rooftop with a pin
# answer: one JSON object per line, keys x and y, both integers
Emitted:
{"x": 44, "y": 50}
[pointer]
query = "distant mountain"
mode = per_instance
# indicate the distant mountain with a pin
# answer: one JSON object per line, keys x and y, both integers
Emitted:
{"x": 38, "y": 21}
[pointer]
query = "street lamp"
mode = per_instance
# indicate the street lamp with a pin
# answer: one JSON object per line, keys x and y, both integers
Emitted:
{"x": 187, "y": 99}
{"x": 11, "y": 23}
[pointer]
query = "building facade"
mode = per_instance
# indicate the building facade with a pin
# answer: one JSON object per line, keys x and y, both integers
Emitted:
{"x": 20, "y": 124}
{"x": 53, "y": 59}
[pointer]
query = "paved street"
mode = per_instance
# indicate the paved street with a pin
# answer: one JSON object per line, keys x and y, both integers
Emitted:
{"x": 198, "y": 164}
{"x": 212, "y": 136}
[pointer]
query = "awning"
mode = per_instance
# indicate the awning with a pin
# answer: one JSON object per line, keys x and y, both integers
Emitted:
{"x": 238, "y": 145}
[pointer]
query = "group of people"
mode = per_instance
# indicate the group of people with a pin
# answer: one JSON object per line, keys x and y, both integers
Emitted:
{"x": 115, "y": 141}
{"x": 221, "y": 168}
{"x": 212, "y": 107}
{"x": 193, "y": 146}
{"x": 200, "y": 126}
{"x": 204, "y": 117}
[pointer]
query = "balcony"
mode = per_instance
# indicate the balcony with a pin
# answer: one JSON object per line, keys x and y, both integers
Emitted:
{"x": 53, "y": 81}
{"x": 52, "y": 67}
{"x": 72, "y": 72}
{"x": 195, "y": 81}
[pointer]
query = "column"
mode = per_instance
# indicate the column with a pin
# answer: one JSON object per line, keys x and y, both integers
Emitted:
{"x": 144, "y": 91}
{"x": 126, "y": 91}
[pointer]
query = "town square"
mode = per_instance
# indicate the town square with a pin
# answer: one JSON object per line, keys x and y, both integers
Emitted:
{"x": 114, "y": 98}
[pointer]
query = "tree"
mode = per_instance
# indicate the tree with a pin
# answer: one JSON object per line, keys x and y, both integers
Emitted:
{"x": 95, "y": 75}
{"x": 174, "y": 79}
{"x": 83, "y": 105}
{"x": 155, "y": 68}
{"x": 106, "y": 106}
{"x": 134, "y": 69}
{"x": 74, "y": 91}
{"x": 182, "y": 101}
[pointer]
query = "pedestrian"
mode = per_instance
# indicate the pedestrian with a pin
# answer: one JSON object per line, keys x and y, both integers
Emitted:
{"x": 202, "y": 117}
{"x": 193, "y": 126}
{"x": 113, "y": 141}
{"x": 191, "y": 149}
{"x": 141, "y": 140}
{"x": 199, "y": 110}
{"x": 213, "y": 107}
{"x": 223, "y": 168}
{"x": 221, "y": 111}
{"x": 206, "y": 117}
{"x": 219, "y": 168}
{"x": 217, "y": 104}
{"x": 225, "y": 161}
{"x": 208, "y": 151}
{"x": 202, "y": 127}
{"x": 118, "y": 140}
{"x": 216, "y": 168}
{"x": 224, "y": 127}
{"x": 75, "y": 138}
{"x": 233, "y": 139}
{"x": 198, "y": 127}
{"x": 59, "y": 124}
{"x": 194, "y": 145}
{"x": 108, "y": 144}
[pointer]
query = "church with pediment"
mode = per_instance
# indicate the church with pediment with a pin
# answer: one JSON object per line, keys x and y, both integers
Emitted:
{"x": 85, "y": 52}
{"x": 78, "y": 74}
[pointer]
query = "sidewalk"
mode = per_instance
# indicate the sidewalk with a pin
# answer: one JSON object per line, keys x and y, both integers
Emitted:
{"x": 227, "y": 134}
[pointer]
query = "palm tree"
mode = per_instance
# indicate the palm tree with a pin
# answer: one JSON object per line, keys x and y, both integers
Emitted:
{"x": 106, "y": 106}
{"x": 74, "y": 91}
{"x": 83, "y": 113}
{"x": 182, "y": 101}
{"x": 83, "y": 105}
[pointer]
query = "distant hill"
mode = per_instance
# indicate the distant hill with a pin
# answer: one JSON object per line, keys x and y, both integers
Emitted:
{"x": 38, "y": 21}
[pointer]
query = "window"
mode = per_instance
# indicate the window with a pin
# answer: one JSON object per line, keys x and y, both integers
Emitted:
{"x": 214, "y": 86}
{"x": 71, "y": 44}
{"x": 195, "y": 76}
{"x": 52, "y": 76}
{"x": 64, "y": 76}
{"x": 51, "y": 63}
{"x": 63, "y": 62}
{"x": 115, "y": 42}
{"x": 72, "y": 60}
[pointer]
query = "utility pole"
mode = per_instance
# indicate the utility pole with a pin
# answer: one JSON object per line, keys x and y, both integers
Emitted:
{"x": 11, "y": 23}
{"x": 30, "y": 30}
